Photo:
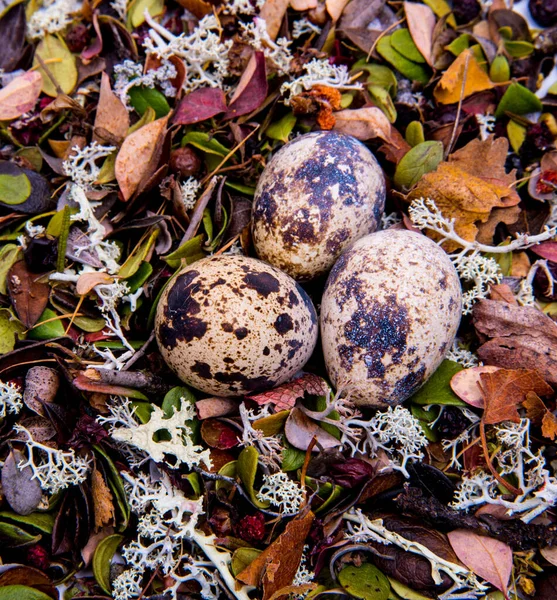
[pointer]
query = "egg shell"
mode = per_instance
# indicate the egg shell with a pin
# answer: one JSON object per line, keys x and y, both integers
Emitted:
{"x": 390, "y": 311}
{"x": 318, "y": 194}
{"x": 232, "y": 325}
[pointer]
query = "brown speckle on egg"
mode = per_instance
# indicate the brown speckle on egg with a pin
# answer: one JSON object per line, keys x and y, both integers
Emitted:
{"x": 318, "y": 194}
{"x": 390, "y": 310}
{"x": 265, "y": 334}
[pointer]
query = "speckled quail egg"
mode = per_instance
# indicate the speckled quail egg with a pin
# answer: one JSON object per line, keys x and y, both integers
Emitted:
{"x": 318, "y": 194}
{"x": 390, "y": 311}
{"x": 232, "y": 325}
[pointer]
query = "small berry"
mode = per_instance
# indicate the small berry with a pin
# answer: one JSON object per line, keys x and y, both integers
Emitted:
{"x": 251, "y": 528}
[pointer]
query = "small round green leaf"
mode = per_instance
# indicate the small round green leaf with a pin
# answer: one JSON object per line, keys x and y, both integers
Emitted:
{"x": 418, "y": 161}
{"x": 102, "y": 559}
{"x": 365, "y": 582}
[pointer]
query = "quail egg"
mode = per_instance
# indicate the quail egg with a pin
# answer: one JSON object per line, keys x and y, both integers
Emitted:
{"x": 390, "y": 311}
{"x": 318, "y": 194}
{"x": 232, "y": 325}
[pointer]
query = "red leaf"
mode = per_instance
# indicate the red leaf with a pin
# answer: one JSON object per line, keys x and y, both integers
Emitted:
{"x": 490, "y": 559}
{"x": 218, "y": 435}
{"x": 200, "y": 105}
{"x": 546, "y": 250}
{"x": 252, "y": 88}
{"x": 285, "y": 396}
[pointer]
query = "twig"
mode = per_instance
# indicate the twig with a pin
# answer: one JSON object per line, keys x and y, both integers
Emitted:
{"x": 501, "y": 480}
{"x": 200, "y": 206}
{"x": 139, "y": 353}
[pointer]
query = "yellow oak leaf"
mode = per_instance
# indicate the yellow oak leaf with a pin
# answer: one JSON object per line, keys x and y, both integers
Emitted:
{"x": 449, "y": 88}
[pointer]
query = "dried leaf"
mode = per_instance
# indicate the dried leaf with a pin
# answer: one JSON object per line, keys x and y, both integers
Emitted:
{"x": 137, "y": 158}
{"x": 22, "y": 492}
{"x": 363, "y": 123}
{"x": 112, "y": 120}
{"x": 550, "y": 554}
{"x": 273, "y": 12}
{"x": 41, "y": 386}
{"x": 29, "y": 296}
{"x": 102, "y": 500}
{"x": 12, "y": 33}
{"x": 251, "y": 90}
{"x": 535, "y": 408}
{"x": 364, "y": 20}
{"x": 88, "y": 281}
{"x": 215, "y": 407}
{"x": 546, "y": 250}
{"x": 520, "y": 337}
{"x": 284, "y": 396}
{"x": 20, "y": 95}
{"x": 488, "y": 558}
{"x": 449, "y": 88}
{"x": 335, "y": 8}
{"x": 300, "y": 431}
{"x": 199, "y": 105}
{"x": 505, "y": 389}
{"x": 276, "y": 566}
{"x": 466, "y": 385}
{"x": 549, "y": 426}
{"x": 421, "y": 22}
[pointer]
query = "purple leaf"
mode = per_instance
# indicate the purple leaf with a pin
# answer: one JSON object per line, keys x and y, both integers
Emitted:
{"x": 200, "y": 105}
{"x": 252, "y": 88}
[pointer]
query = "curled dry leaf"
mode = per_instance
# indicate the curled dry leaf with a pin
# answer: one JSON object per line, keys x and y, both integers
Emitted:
{"x": 20, "y": 95}
{"x": 517, "y": 337}
{"x": 363, "y": 123}
{"x": 103, "y": 506}
{"x": 466, "y": 385}
{"x": 488, "y": 558}
{"x": 252, "y": 88}
{"x": 300, "y": 431}
{"x": 88, "y": 281}
{"x": 449, "y": 88}
{"x": 421, "y": 23}
{"x": 112, "y": 120}
{"x": 137, "y": 158}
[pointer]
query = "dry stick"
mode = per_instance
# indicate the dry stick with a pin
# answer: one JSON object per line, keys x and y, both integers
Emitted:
{"x": 200, "y": 206}
{"x": 53, "y": 79}
{"x": 459, "y": 109}
{"x": 510, "y": 487}
{"x": 139, "y": 353}
{"x": 134, "y": 379}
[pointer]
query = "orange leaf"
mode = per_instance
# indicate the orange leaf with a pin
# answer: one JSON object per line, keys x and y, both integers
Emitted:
{"x": 505, "y": 389}
{"x": 20, "y": 95}
{"x": 88, "y": 281}
{"x": 112, "y": 120}
{"x": 549, "y": 426}
{"x": 276, "y": 566}
{"x": 449, "y": 88}
{"x": 535, "y": 408}
{"x": 103, "y": 506}
{"x": 135, "y": 159}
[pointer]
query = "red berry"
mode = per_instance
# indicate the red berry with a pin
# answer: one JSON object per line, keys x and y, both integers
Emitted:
{"x": 251, "y": 528}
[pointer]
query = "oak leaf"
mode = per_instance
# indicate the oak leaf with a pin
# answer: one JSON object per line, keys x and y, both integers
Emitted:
{"x": 275, "y": 567}
{"x": 449, "y": 89}
{"x": 505, "y": 389}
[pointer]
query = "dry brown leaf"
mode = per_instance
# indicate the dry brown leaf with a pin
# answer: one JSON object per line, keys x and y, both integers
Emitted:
{"x": 28, "y": 294}
{"x": 303, "y": 4}
{"x": 20, "y": 95}
{"x": 199, "y": 8}
{"x": 508, "y": 215}
{"x": 88, "y": 281}
{"x": 112, "y": 120}
{"x": 535, "y": 408}
{"x": 335, "y": 8}
{"x": 284, "y": 396}
{"x": 449, "y": 88}
{"x": 273, "y": 12}
{"x": 505, "y": 389}
{"x": 276, "y": 566}
{"x": 363, "y": 123}
{"x": 421, "y": 23}
{"x": 518, "y": 337}
{"x": 102, "y": 500}
{"x": 549, "y": 426}
{"x": 502, "y": 293}
{"x": 134, "y": 162}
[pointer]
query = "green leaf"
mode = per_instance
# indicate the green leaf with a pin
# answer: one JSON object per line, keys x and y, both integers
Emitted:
{"x": 15, "y": 187}
{"x": 117, "y": 488}
{"x": 382, "y": 98}
{"x": 459, "y": 45}
{"x": 60, "y": 62}
{"x": 418, "y": 161}
{"x": 320, "y": 405}
{"x": 139, "y": 277}
{"x": 194, "y": 480}
{"x": 402, "y": 42}
{"x": 203, "y": 141}
{"x": 173, "y": 401}
{"x": 22, "y": 592}
{"x": 519, "y": 49}
{"x": 208, "y": 224}
{"x": 500, "y": 69}
{"x": 190, "y": 252}
{"x": 9, "y": 255}
{"x": 139, "y": 254}
{"x": 89, "y": 324}
{"x": 242, "y": 558}
{"x": 516, "y": 134}
{"x": 102, "y": 559}
{"x": 137, "y": 8}
{"x": 12, "y": 536}
{"x": 365, "y": 582}
{"x": 41, "y": 521}
{"x": 248, "y": 190}
{"x": 63, "y": 239}
{"x": 415, "y": 133}
{"x": 405, "y": 592}
{"x": 56, "y": 223}
{"x": 518, "y": 100}
{"x": 280, "y": 130}
{"x": 141, "y": 98}
{"x": 437, "y": 389}
{"x": 382, "y": 76}
{"x": 334, "y": 493}
{"x": 148, "y": 117}
{"x": 425, "y": 417}
{"x": 10, "y": 329}
{"x": 292, "y": 458}
{"x": 410, "y": 69}
{"x": 246, "y": 466}
{"x": 50, "y": 330}
{"x": 228, "y": 470}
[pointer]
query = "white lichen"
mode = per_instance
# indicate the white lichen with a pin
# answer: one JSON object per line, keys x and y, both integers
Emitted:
{"x": 130, "y": 74}
{"x": 462, "y": 355}
{"x": 486, "y": 124}
{"x": 278, "y": 53}
{"x": 269, "y": 447}
{"x": 81, "y": 165}
{"x": 282, "y": 492}
{"x": 11, "y": 400}
{"x": 304, "y": 26}
{"x": 242, "y": 7}
{"x": 54, "y": 469}
{"x": 53, "y": 16}
{"x": 189, "y": 190}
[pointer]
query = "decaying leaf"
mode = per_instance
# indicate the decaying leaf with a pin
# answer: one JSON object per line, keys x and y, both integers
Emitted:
{"x": 102, "y": 500}
{"x": 517, "y": 337}
{"x": 335, "y": 8}
{"x": 20, "y": 95}
{"x": 449, "y": 89}
{"x": 138, "y": 157}
{"x": 363, "y": 21}
{"x": 363, "y": 123}
{"x": 421, "y": 23}
{"x": 285, "y": 396}
{"x": 112, "y": 120}
{"x": 505, "y": 389}
{"x": 29, "y": 295}
{"x": 41, "y": 386}
{"x": 486, "y": 557}
{"x": 20, "y": 489}
{"x": 300, "y": 431}
{"x": 273, "y": 12}
{"x": 276, "y": 566}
